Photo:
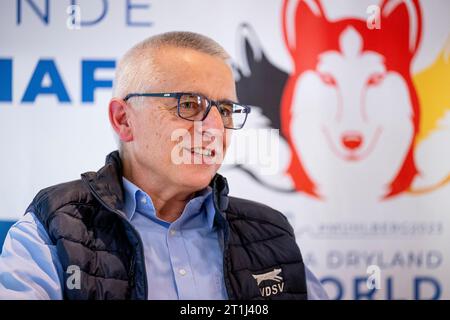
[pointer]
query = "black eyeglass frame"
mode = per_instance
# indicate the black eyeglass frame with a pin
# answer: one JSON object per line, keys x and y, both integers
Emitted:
{"x": 178, "y": 96}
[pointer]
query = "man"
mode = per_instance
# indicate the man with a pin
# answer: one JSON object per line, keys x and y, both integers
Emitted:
{"x": 156, "y": 221}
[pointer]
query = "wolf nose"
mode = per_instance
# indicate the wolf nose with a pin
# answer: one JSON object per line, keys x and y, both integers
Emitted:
{"x": 352, "y": 140}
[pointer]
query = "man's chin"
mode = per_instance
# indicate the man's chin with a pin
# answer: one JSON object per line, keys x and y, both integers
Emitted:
{"x": 196, "y": 179}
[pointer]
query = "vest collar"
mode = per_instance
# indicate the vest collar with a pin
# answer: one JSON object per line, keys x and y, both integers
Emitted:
{"x": 106, "y": 185}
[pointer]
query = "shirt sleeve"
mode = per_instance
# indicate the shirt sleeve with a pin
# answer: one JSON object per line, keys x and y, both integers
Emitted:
{"x": 314, "y": 287}
{"x": 29, "y": 266}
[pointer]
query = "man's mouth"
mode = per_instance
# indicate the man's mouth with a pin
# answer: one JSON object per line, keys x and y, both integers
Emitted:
{"x": 201, "y": 151}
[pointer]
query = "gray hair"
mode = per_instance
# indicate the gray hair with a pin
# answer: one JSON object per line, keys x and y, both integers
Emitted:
{"x": 128, "y": 75}
{"x": 141, "y": 56}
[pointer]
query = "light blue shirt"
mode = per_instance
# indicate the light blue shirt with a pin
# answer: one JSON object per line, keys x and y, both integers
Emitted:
{"x": 183, "y": 259}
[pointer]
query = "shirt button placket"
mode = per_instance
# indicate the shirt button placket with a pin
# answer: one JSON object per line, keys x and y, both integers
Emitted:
{"x": 180, "y": 264}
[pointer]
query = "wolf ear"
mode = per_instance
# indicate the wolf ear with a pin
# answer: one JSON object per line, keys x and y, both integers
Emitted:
{"x": 255, "y": 70}
{"x": 302, "y": 21}
{"x": 249, "y": 49}
{"x": 402, "y": 22}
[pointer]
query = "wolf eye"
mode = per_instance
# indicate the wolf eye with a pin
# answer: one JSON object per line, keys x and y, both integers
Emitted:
{"x": 375, "y": 79}
{"x": 328, "y": 79}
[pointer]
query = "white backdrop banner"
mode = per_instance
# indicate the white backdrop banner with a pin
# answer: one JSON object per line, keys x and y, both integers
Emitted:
{"x": 358, "y": 89}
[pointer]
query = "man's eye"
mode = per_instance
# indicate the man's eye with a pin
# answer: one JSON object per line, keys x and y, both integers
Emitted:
{"x": 189, "y": 105}
{"x": 226, "y": 111}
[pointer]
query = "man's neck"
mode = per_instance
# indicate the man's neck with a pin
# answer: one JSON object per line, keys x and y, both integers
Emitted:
{"x": 169, "y": 200}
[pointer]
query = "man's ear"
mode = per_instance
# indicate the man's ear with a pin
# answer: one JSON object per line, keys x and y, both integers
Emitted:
{"x": 119, "y": 113}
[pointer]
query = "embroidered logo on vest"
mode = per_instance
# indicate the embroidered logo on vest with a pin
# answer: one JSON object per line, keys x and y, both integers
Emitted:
{"x": 270, "y": 288}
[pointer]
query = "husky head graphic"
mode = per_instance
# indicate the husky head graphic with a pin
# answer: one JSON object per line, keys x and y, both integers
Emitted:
{"x": 350, "y": 99}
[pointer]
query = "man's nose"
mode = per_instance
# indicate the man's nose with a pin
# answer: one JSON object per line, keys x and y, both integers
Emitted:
{"x": 213, "y": 120}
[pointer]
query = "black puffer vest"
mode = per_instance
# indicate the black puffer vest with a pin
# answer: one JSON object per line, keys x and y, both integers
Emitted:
{"x": 85, "y": 221}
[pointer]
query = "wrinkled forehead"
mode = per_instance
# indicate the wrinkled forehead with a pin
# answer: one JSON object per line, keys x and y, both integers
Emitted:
{"x": 187, "y": 70}
{"x": 182, "y": 60}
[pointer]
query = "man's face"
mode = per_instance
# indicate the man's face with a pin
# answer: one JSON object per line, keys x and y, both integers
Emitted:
{"x": 161, "y": 138}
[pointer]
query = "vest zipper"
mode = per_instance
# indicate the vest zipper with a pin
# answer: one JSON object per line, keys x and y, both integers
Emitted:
{"x": 131, "y": 272}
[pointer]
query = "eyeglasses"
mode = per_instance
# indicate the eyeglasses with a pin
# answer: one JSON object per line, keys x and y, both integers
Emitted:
{"x": 195, "y": 107}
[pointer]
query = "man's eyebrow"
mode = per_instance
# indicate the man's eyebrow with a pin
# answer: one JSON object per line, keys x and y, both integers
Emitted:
{"x": 229, "y": 100}
{"x": 221, "y": 100}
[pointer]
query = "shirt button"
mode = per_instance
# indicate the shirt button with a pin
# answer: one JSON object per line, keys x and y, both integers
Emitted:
{"x": 144, "y": 200}
{"x": 182, "y": 272}
{"x": 172, "y": 232}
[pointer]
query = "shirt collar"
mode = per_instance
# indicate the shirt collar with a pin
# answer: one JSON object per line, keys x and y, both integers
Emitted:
{"x": 130, "y": 190}
{"x": 134, "y": 201}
